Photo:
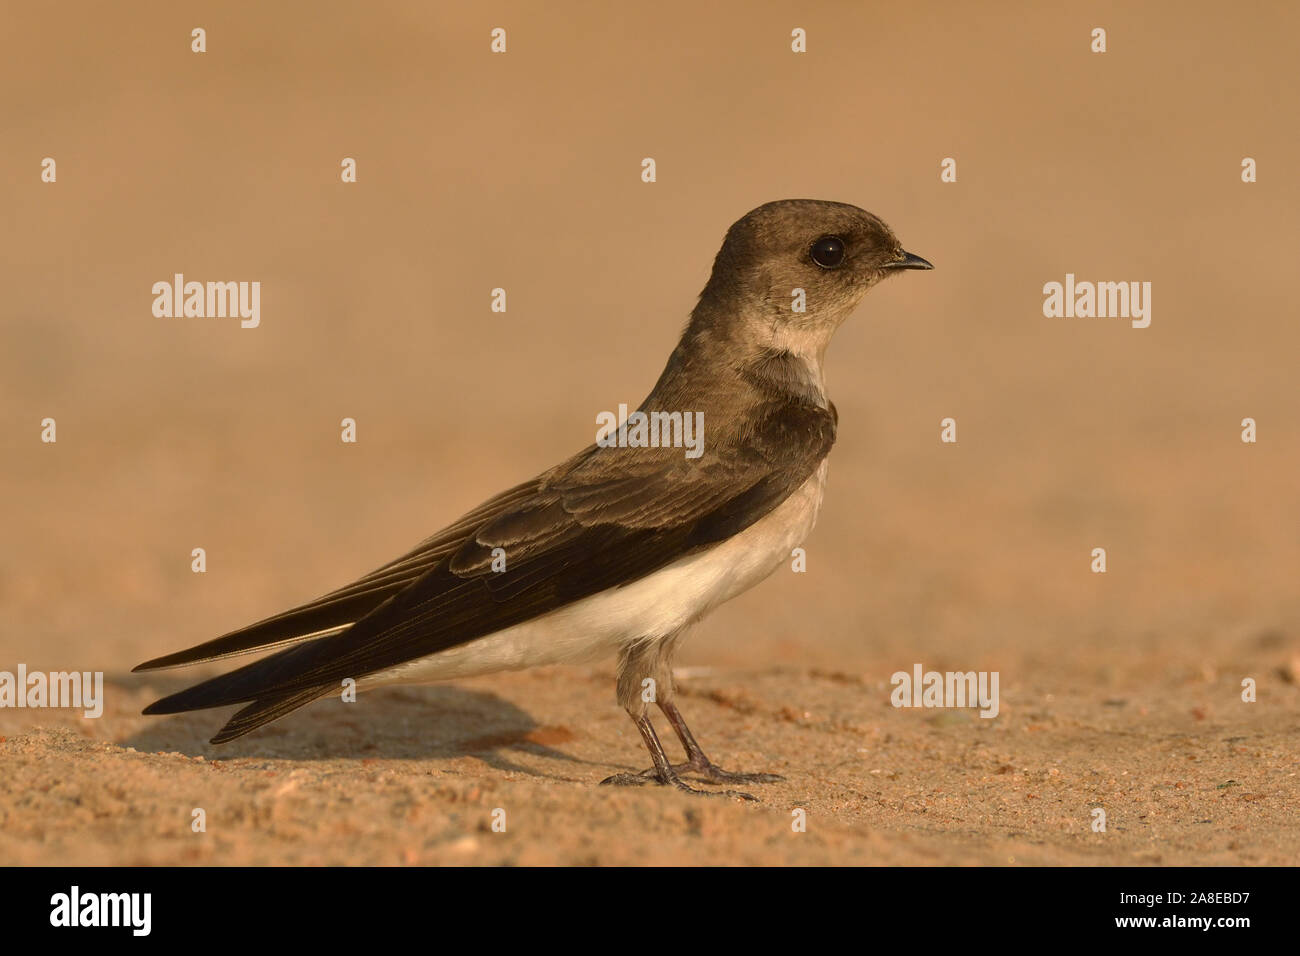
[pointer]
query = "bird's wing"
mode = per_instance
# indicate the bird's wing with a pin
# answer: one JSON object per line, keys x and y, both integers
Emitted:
{"x": 605, "y": 518}
{"x": 341, "y": 608}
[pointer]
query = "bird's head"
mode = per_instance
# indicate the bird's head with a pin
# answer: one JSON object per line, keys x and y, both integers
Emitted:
{"x": 791, "y": 271}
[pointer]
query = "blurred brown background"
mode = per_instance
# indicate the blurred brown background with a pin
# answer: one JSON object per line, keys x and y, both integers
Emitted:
{"x": 522, "y": 171}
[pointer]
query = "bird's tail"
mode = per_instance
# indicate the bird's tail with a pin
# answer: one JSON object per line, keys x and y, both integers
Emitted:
{"x": 266, "y": 710}
{"x": 261, "y": 685}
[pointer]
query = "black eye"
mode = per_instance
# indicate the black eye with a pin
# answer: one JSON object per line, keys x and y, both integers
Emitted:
{"x": 828, "y": 251}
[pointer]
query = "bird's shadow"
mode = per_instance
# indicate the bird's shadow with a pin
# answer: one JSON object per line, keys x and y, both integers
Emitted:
{"x": 403, "y": 723}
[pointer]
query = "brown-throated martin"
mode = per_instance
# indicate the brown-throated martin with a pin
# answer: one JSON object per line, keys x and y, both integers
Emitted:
{"x": 620, "y": 548}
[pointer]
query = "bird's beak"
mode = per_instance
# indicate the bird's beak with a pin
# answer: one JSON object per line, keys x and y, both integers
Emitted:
{"x": 909, "y": 261}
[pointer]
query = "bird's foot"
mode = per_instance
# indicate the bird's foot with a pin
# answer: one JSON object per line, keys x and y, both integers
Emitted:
{"x": 706, "y": 769}
{"x": 668, "y": 779}
{"x": 718, "y": 775}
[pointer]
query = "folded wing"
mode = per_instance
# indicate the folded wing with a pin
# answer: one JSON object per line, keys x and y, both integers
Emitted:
{"x": 603, "y": 519}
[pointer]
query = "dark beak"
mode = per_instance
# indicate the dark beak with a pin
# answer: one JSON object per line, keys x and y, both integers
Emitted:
{"x": 909, "y": 261}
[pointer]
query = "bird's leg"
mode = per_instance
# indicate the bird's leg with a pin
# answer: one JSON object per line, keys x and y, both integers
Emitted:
{"x": 697, "y": 762}
{"x": 642, "y": 674}
{"x": 662, "y": 772}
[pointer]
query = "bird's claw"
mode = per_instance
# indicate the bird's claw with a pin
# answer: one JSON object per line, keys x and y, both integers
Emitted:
{"x": 670, "y": 779}
{"x": 707, "y": 770}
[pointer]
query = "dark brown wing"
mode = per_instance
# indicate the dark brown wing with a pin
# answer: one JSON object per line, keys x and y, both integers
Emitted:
{"x": 604, "y": 519}
{"x": 348, "y": 604}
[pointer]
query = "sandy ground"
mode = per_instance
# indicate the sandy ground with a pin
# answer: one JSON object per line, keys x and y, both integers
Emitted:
{"x": 1119, "y": 691}
{"x": 415, "y": 776}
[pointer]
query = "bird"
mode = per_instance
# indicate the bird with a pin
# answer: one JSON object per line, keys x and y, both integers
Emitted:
{"x": 618, "y": 550}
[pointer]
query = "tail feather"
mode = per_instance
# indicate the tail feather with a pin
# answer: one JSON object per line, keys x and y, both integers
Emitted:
{"x": 338, "y": 610}
{"x": 251, "y": 682}
{"x": 322, "y": 619}
{"x": 264, "y": 711}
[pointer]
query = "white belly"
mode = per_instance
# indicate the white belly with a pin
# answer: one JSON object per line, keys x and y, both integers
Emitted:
{"x": 656, "y": 606}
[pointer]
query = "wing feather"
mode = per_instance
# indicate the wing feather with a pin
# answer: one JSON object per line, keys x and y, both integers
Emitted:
{"x": 606, "y": 518}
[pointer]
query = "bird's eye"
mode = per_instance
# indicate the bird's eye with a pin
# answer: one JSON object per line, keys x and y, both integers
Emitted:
{"x": 828, "y": 251}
